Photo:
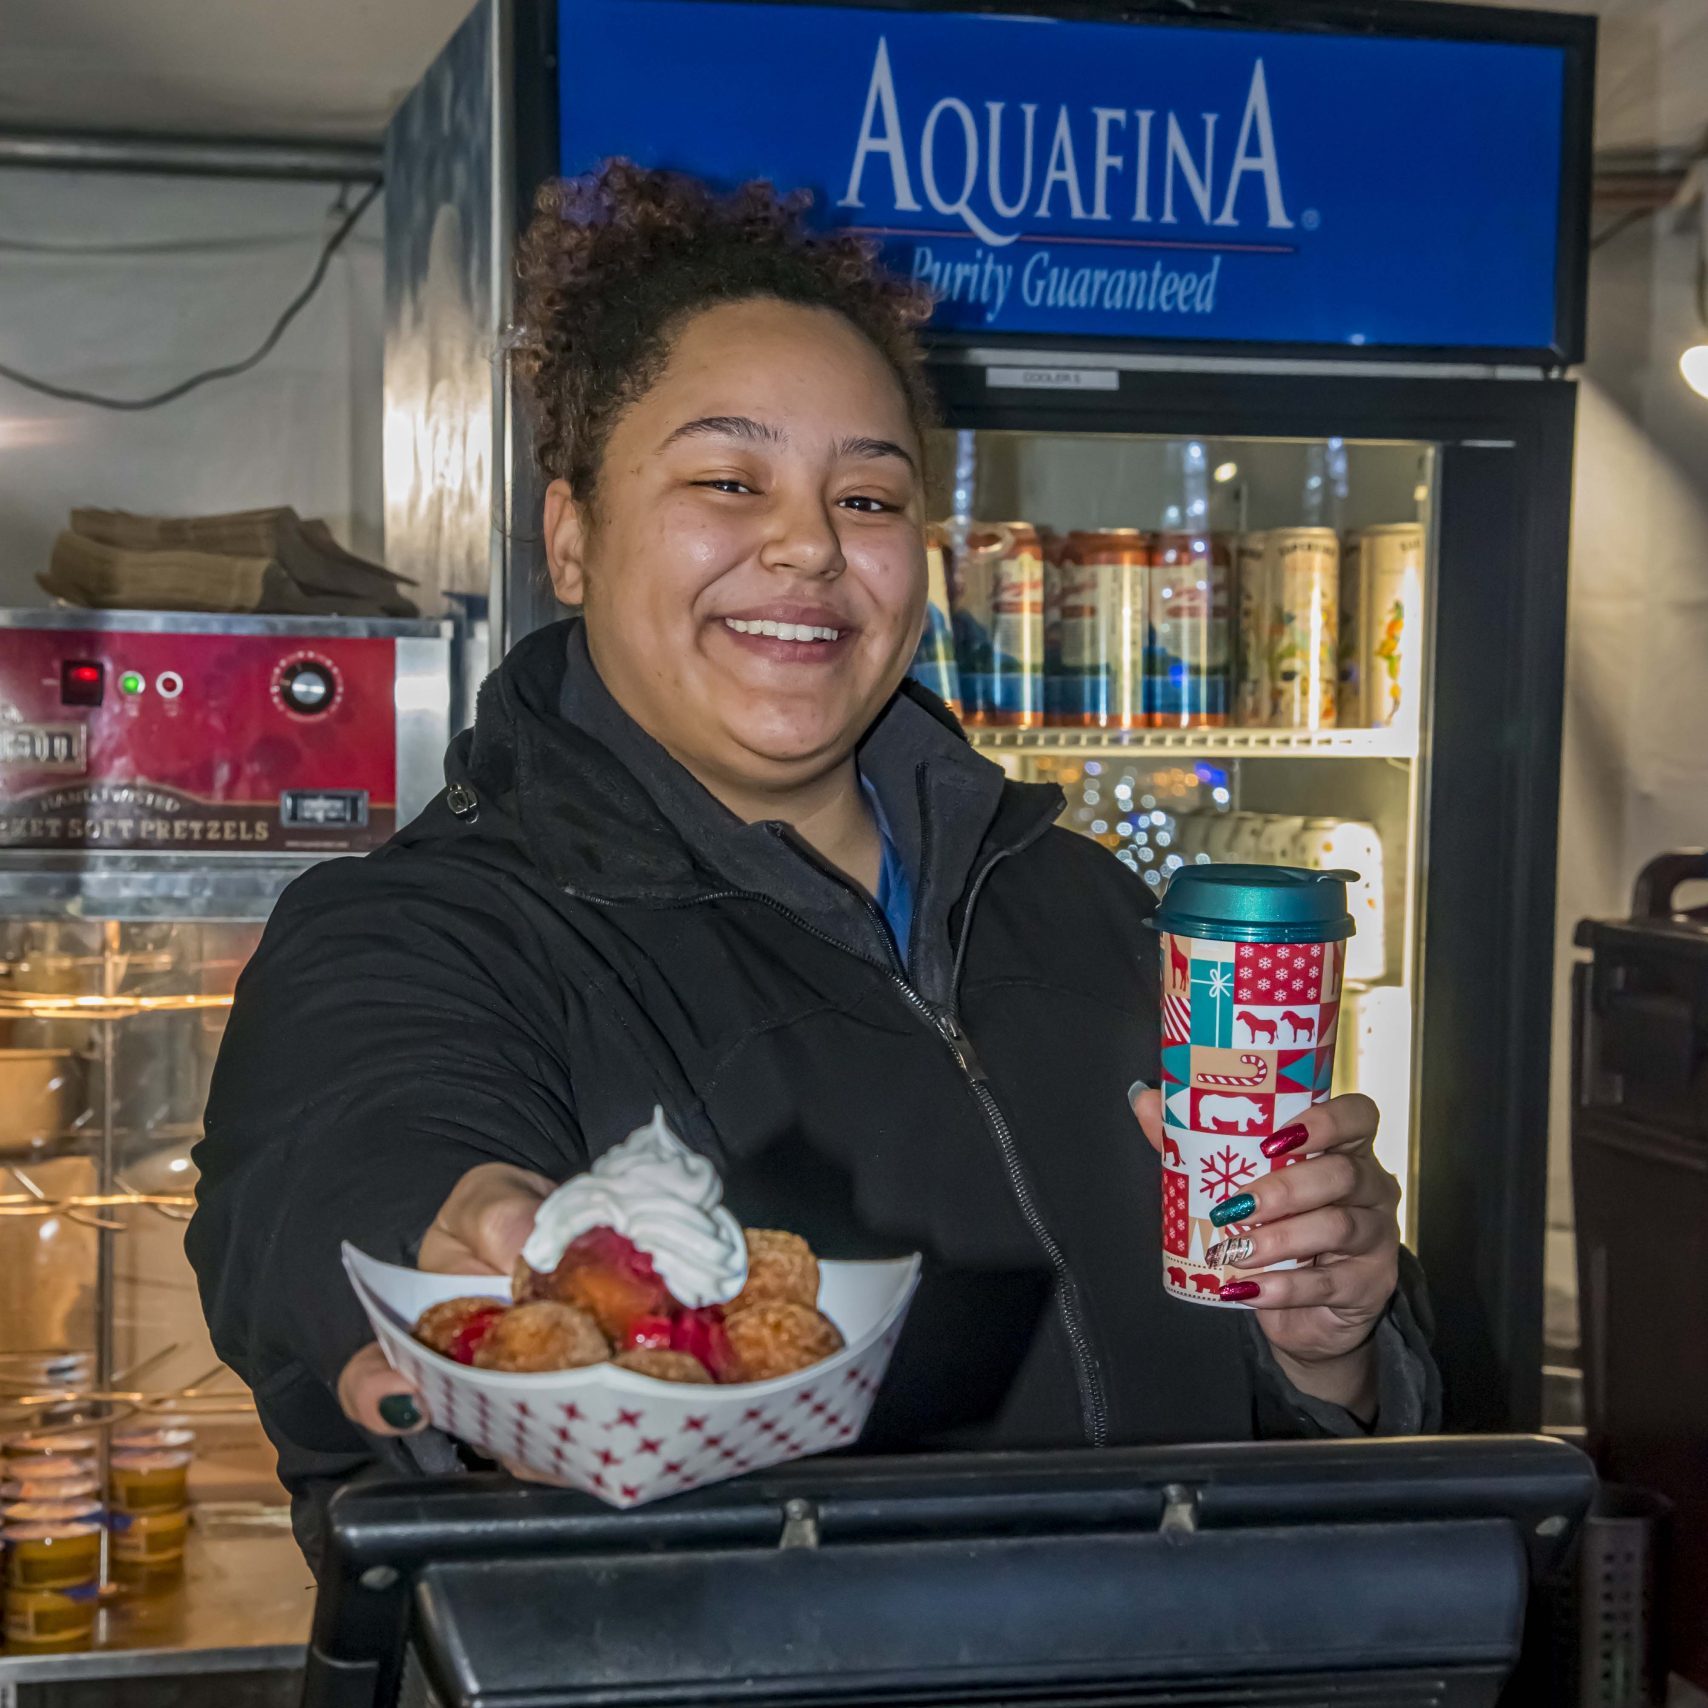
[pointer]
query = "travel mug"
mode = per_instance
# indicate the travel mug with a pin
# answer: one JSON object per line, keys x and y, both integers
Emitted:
{"x": 1252, "y": 958}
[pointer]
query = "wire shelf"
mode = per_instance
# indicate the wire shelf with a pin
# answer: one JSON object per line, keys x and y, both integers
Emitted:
{"x": 1224, "y": 743}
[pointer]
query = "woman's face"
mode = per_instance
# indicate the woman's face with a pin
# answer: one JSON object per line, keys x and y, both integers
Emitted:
{"x": 753, "y": 571}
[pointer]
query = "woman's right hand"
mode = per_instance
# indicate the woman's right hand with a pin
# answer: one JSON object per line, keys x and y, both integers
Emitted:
{"x": 479, "y": 1230}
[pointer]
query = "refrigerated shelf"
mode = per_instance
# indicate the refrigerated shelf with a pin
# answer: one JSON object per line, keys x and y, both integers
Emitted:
{"x": 1226, "y": 743}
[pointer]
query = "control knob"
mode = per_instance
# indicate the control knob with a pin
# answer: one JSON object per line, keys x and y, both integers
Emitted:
{"x": 307, "y": 687}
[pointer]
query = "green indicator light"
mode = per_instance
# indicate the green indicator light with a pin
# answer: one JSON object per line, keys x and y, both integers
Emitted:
{"x": 130, "y": 683}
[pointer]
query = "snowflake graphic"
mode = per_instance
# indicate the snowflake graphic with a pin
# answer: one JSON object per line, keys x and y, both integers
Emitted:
{"x": 1225, "y": 1172}
{"x": 1263, "y": 984}
{"x": 1316, "y": 951}
{"x": 1266, "y": 962}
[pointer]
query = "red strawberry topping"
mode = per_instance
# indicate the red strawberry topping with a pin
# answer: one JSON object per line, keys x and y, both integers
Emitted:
{"x": 465, "y": 1343}
{"x": 606, "y": 1273}
{"x": 605, "y": 1248}
{"x": 701, "y": 1334}
{"x": 653, "y": 1333}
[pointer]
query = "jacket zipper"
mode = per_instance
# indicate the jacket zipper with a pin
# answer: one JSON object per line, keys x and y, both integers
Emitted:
{"x": 1093, "y": 1403}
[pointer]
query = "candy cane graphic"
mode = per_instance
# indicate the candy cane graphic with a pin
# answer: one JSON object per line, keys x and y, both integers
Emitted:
{"x": 1236, "y": 1079}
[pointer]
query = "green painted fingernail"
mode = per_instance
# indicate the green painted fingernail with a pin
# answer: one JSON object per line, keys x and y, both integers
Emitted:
{"x": 400, "y": 1411}
{"x": 1234, "y": 1210}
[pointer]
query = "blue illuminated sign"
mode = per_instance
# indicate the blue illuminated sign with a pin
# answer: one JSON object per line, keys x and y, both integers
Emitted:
{"x": 1132, "y": 180}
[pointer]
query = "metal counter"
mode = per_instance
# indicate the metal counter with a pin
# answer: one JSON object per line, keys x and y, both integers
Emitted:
{"x": 232, "y": 1635}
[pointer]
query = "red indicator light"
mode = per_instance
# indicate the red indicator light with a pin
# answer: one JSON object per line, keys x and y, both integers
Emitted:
{"x": 81, "y": 682}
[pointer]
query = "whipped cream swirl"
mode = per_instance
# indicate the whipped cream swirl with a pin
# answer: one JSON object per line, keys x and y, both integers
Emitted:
{"x": 667, "y": 1199}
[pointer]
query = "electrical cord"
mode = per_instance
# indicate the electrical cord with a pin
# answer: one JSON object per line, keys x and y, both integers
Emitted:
{"x": 68, "y": 394}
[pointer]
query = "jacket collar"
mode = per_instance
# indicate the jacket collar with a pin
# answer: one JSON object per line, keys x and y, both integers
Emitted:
{"x": 606, "y": 813}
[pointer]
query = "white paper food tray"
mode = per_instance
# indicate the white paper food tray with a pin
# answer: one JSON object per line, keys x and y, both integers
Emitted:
{"x": 627, "y": 1438}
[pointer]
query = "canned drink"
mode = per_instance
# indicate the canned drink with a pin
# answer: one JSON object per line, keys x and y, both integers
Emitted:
{"x": 1251, "y": 640}
{"x": 1244, "y": 840}
{"x": 1105, "y": 625}
{"x": 1303, "y": 571}
{"x": 1187, "y": 673}
{"x": 1328, "y": 844}
{"x": 1219, "y": 840}
{"x": 1391, "y": 557}
{"x": 998, "y": 598}
{"x": 1278, "y": 842}
{"x": 1055, "y": 549}
{"x": 1353, "y": 671}
{"x": 934, "y": 659}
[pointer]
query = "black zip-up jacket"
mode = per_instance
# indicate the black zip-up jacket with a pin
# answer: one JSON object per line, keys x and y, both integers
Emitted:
{"x": 575, "y": 930}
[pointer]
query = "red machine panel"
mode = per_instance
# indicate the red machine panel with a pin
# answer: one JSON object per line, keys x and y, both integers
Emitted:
{"x": 185, "y": 742}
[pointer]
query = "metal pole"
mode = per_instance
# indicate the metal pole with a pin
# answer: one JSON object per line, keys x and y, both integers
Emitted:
{"x": 189, "y": 156}
{"x": 106, "y": 1168}
{"x": 105, "y": 1254}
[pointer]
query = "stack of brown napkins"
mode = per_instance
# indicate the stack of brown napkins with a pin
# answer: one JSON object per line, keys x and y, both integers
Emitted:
{"x": 253, "y": 560}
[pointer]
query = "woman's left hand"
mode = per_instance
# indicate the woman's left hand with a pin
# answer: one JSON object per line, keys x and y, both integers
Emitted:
{"x": 1334, "y": 1213}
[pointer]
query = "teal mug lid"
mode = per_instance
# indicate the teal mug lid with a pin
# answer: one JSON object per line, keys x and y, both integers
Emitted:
{"x": 1256, "y": 904}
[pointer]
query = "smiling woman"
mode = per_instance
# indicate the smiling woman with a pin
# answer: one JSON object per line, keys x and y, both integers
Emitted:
{"x": 707, "y": 850}
{"x": 736, "y": 504}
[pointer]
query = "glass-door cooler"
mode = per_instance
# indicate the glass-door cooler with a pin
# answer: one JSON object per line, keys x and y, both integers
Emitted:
{"x": 1311, "y": 624}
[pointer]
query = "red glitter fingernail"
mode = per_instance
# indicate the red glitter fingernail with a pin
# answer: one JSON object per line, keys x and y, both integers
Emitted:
{"x": 1234, "y": 1291}
{"x": 1288, "y": 1139}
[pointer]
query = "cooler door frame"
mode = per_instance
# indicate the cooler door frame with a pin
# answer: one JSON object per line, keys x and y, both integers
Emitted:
{"x": 1502, "y": 508}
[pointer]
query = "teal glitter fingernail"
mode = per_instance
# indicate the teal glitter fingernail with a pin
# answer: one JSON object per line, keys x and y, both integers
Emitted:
{"x": 1234, "y": 1210}
{"x": 400, "y": 1411}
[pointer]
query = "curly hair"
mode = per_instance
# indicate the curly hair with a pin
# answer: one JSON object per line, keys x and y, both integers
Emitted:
{"x": 612, "y": 264}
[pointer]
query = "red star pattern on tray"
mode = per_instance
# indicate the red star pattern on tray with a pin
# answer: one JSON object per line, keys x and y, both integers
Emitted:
{"x": 1176, "y": 1192}
{"x": 625, "y": 1471}
{"x": 1270, "y": 973}
{"x": 629, "y": 1450}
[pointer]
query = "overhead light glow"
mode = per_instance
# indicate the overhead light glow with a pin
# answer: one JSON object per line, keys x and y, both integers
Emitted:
{"x": 1693, "y": 364}
{"x": 1226, "y": 472}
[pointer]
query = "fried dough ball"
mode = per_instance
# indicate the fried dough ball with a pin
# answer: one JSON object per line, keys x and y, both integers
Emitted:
{"x": 528, "y": 1283}
{"x": 778, "y": 1337}
{"x": 542, "y": 1335}
{"x": 780, "y": 1266}
{"x": 440, "y": 1325}
{"x": 662, "y": 1364}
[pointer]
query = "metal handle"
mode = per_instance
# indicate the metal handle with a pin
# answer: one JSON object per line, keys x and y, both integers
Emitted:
{"x": 1651, "y": 895}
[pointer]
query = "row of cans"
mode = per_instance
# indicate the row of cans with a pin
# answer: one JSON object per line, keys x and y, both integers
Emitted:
{"x": 1122, "y": 629}
{"x": 1328, "y": 627}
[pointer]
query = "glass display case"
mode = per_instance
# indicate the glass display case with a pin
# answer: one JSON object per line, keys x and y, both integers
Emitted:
{"x": 108, "y": 1032}
{"x": 163, "y": 776}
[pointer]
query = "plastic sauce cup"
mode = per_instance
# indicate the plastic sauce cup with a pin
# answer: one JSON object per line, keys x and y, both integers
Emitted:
{"x": 52, "y": 1556}
{"x": 148, "y": 1548}
{"x": 85, "y": 1486}
{"x": 84, "y": 1511}
{"x": 51, "y": 1621}
{"x": 46, "y": 1445}
{"x": 149, "y": 1481}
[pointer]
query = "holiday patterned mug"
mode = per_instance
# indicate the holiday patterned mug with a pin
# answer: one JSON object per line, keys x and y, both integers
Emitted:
{"x": 1252, "y": 958}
